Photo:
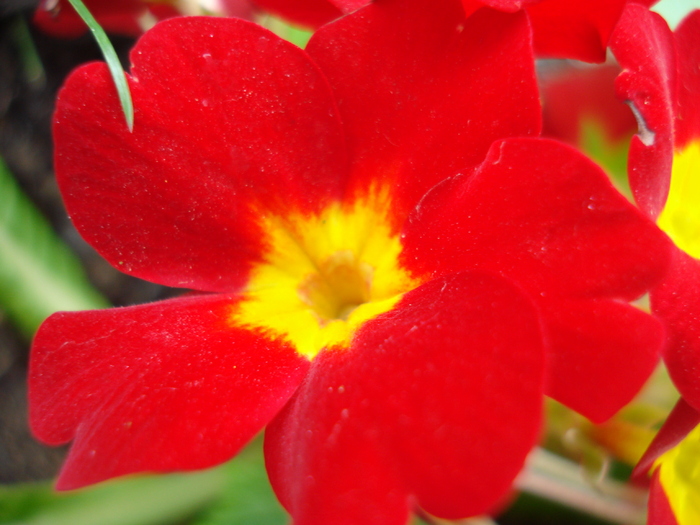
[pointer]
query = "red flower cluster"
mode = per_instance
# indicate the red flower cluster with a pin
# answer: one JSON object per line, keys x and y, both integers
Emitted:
{"x": 127, "y": 17}
{"x": 132, "y": 17}
{"x": 394, "y": 269}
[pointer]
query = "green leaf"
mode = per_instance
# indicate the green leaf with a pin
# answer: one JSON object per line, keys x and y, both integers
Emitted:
{"x": 39, "y": 275}
{"x": 31, "y": 62}
{"x": 19, "y": 502}
{"x": 609, "y": 153}
{"x": 115, "y": 67}
{"x": 248, "y": 497}
{"x": 298, "y": 37}
{"x": 145, "y": 500}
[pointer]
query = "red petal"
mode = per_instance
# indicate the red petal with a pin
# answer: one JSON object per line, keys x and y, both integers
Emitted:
{"x": 160, "y": 387}
{"x": 601, "y": 354}
{"x": 643, "y": 45}
{"x": 173, "y": 201}
{"x": 441, "y": 398}
{"x": 510, "y": 6}
{"x": 306, "y": 13}
{"x": 544, "y": 215}
{"x": 660, "y": 512}
{"x": 115, "y": 16}
{"x": 573, "y": 96}
{"x": 424, "y": 92}
{"x": 687, "y": 38}
{"x": 348, "y": 6}
{"x": 677, "y": 302}
{"x": 238, "y": 8}
{"x": 682, "y": 420}
{"x": 578, "y": 29}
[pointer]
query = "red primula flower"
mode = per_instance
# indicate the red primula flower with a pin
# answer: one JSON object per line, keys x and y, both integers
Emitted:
{"x": 122, "y": 17}
{"x": 132, "y": 17}
{"x": 390, "y": 282}
{"x": 661, "y": 79}
{"x": 125, "y": 17}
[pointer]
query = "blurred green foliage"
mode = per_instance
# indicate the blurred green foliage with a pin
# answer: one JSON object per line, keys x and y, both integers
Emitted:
{"x": 39, "y": 275}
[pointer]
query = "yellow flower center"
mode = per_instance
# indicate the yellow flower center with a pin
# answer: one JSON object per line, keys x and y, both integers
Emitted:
{"x": 340, "y": 284}
{"x": 325, "y": 275}
{"x": 680, "y": 218}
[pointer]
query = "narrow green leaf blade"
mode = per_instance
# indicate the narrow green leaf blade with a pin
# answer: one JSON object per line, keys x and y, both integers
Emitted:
{"x": 115, "y": 67}
{"x": 247, "y": 497}
{"x": 141, "y": 500}
{"x": 39, "y": 275}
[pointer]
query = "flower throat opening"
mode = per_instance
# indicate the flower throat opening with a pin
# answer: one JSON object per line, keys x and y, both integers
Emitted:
{"x": 340, "y": 286}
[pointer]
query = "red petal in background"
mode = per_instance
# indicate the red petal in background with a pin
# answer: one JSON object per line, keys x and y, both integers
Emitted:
{"x": 438, "y": 400}
{"x": 578, "y": 29}
{"x": 115, "y": 16}
{"x": 160, "y": 387}
{"x": 424, "y": 92}
{"x": 305, "y": 13}
{"x": 575, "y": 95}
{"x": 238, "y": 8}
{"x": 643, "y": 45}
{"x": 176, "y": 201}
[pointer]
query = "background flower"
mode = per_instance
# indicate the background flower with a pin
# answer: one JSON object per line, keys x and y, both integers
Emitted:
{"x": 661, "y": 80}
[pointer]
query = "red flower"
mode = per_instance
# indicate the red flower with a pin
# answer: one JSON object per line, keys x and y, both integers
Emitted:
{"x": 389, "y": 278}
{"x": 126, "y": 17}
{"x": 122, "y": 17}
{"x": 131, "y": 17}
{"x": 662, "y": 79}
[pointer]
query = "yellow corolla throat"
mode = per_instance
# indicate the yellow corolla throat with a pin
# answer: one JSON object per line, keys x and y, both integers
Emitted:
{"x": 325, "y": 275}
{"x": 680, "y": 218}
{"x": 680, "y": 477}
